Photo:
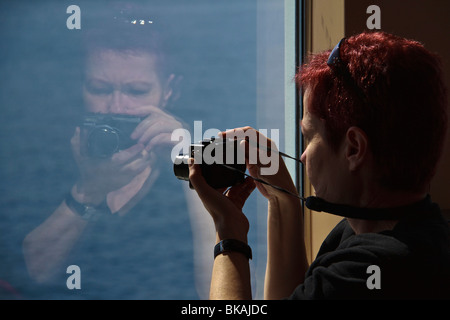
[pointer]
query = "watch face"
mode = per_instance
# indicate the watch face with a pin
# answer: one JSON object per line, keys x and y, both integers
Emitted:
{"x": 90, "y": 213}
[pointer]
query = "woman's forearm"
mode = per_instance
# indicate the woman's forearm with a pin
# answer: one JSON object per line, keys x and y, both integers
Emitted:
{"x": 286, "y": 254}
{"x": 231, "y": 278}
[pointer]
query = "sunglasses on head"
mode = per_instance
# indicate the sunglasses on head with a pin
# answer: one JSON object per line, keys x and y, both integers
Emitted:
{"x": 341, "y": 69}
{"x": 335, "y": 61}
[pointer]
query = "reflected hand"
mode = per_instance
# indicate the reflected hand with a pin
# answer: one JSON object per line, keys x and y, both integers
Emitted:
{"x": 156, "y": 129}
{"x": 98, "y": 177}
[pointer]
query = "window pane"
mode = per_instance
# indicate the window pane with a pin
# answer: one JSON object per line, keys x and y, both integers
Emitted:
{"x": 89, "y": 103}
{"x": 277, "y": 106}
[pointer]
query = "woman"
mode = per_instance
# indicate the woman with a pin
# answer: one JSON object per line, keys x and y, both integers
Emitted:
{"x": 369, "y": 105}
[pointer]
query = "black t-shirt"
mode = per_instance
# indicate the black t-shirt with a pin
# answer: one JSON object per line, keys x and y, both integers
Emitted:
{"x": 413, "y": 261}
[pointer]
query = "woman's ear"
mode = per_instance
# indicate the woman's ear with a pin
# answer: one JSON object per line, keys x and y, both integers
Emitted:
{"x": 171, "y": 91}
{"x": 357, "y": 147}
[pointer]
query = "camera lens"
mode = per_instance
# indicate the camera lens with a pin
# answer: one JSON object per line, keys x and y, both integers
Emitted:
{"x": 103, "y": 142}
{"x": 181, "y": 168}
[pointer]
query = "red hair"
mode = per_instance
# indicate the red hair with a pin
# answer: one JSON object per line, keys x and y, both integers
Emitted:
{"x": 403, "y": 110}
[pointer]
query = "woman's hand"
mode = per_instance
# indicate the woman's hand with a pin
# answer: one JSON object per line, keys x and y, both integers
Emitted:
{"x": 286, "y": 259}
{"x": 263, "y": 162}
{"x": 225, "y": 208}
{"x": 286, "y": 254}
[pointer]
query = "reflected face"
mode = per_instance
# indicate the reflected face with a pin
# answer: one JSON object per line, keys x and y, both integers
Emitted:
{"x": 121, "y": 82}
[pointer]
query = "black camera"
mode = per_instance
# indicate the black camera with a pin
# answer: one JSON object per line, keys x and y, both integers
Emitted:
{"x": 221, "y": 162}
{"x": 106, "y": 134}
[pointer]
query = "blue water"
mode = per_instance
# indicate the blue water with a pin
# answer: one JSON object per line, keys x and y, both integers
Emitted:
{"x": 148, "y": 255}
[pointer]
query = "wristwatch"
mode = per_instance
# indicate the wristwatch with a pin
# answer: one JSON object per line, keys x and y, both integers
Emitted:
{"x": 85, "y": 211}
{"x": 229, "y": 245}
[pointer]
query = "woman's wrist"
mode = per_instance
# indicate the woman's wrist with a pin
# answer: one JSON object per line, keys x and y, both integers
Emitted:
{"x": 232, "y": 245}
{"x": 86, "y": 195}
{"x": 228, "y": 233}
{"x": 284, "y": 202}
{"x": 232, "y": 227}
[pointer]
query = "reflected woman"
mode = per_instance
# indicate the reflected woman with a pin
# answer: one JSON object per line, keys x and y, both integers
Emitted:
{"x": 113, "y": 223}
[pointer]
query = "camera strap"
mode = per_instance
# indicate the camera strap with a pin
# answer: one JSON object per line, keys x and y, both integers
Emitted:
{"x": 394, "y": 213}
{"x": 320, "y": 205}
{"x": 265, "y": 182}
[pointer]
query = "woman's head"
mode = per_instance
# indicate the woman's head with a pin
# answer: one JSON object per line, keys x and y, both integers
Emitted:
{"x": 393, "y": 90}
{"x": 123, "y": 81}
{"x": 125, "y": 68}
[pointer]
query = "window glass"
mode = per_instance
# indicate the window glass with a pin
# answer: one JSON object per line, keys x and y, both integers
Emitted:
{"x": 90, "y": 95}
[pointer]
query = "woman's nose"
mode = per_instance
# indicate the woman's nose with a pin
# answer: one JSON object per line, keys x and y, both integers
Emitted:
{"x": 303, "y": 158}
{"x": 117, "y": 102}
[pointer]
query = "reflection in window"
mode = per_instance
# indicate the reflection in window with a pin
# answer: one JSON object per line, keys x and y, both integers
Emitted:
{"x": 87, "y": 116}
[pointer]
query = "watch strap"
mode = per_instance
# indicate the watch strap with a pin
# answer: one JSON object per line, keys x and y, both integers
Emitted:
{"x": 85, "y": 211}
{"x": 232, "y": 245}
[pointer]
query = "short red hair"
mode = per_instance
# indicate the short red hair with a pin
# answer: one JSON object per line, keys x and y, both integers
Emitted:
{"x": 403, "y": 110}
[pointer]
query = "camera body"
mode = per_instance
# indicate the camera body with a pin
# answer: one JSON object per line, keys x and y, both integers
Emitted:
{"x": 212, "y": 154}
{"x": 106, "y": 134}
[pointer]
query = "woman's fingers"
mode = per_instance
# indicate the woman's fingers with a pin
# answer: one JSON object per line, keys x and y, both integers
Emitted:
{"x": 263, "y": 161}
{"x": 124, "y": 156}
{"x": 209, "y": 196}
{"x": 156, "y": 128}
{"x": 226, "y": 210}
{"x": 258, "y": 148}
{"x": 239, "y": 193}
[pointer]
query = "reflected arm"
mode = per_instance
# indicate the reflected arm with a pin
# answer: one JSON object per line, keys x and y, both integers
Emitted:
{"x": 46, "y": 247}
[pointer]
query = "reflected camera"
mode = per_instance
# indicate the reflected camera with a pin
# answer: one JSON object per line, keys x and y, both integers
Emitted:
{"x": 106, "y": 134}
